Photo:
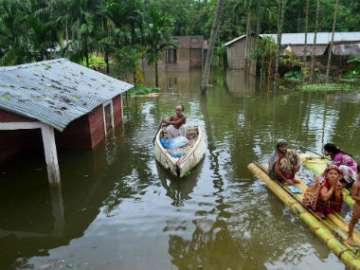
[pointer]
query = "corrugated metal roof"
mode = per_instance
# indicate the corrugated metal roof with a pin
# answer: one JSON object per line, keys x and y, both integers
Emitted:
{"x": 321, "y": 38}
{"x": 298, "y": 50}
{"x": 55, "y": 92}
{"x": 299, "y": 38}
{"x": 346, "y": 49}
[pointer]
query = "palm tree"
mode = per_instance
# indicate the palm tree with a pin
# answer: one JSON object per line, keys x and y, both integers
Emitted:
{"x": 157, "y": 37}
{"x": 332, "y": 40}
{"x": 312, "y": 73}
{"x": 15, "y": 48}
{"x": 213, "y": 37}
{"x": 248, "y": 31}
{"x": 281, "y": 16}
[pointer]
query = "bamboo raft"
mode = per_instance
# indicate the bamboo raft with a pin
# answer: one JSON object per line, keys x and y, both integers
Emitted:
{"x": 332, "y": 230}
{"x": 317, "y": 165}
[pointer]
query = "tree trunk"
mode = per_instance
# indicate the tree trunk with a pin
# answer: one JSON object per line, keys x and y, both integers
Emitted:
{"x": 306, "y": 31}
{"x": 106, "y": 59}
{"x": 213, "y": 37}
{"x": 247, "y": 40}
{"x": 281, "y": 7}
{"x": 312, "y": 73}
{"x": 156, "y": 74}
{"x": 86, "y": 52}
{"x": 332, "y": 41}
{"x": 66, "y": 31}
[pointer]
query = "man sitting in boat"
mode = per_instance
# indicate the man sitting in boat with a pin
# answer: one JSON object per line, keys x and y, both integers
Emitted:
{"x": 175, "y": 125}
{"x": 344, "y": 161}
{"x": 325, "y": 196}
{"x": 284, "y": 163}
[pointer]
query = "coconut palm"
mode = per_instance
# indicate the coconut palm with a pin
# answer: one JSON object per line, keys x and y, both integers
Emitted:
{"x": 336, "y": 7}
{"x": 312, "y": 72}
{"x": 157, "y": 37}
{"x": 213, "y": 37}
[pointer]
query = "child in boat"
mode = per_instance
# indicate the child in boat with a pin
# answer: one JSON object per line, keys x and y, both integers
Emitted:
{"x": 328, "y": 196}
{"x": 174, "y": 126}
{"x": 355, "y": 194}
{"x": 344, "y": 161}
{"x": 284, "y": 163}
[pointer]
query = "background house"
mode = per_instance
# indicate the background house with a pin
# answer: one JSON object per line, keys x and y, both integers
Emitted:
{"x": 188, "y": 53}
{"x": 345, "y": 44}
{"x": 54, "y": 104}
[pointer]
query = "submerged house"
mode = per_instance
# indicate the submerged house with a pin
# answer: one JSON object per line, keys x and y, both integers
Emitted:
{"x": 345, "y": 44}
{"x": 56, "y": 103}
{"x": 189, "y": 52}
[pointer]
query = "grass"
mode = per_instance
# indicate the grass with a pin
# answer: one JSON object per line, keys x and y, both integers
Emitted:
{"x": 328, "y": 87}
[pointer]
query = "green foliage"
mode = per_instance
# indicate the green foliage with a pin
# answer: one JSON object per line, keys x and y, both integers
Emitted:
{"x": 126, "y": 31}
{"x": 353, "y": 73}
{"x": 293, "y": 75}
{"x": 157, "y": 34}
{"x": 327, "y": 87}
{"x": 141, "y": 90}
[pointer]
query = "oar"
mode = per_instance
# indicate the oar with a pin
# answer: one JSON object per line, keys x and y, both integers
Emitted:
{"x": 153, "y": 140}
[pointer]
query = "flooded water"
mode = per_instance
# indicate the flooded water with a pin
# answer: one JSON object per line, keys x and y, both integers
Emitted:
{"x": 118, "y": 209}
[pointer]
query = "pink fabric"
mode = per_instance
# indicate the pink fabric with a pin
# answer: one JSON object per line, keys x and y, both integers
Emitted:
{"x": 343, "y": 159}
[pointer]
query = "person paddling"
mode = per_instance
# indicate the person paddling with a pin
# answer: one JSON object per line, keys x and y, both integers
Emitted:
{"x": 174, "y": 126}
{"x": 346, "y": 164}
{"x": 284, "y": 163}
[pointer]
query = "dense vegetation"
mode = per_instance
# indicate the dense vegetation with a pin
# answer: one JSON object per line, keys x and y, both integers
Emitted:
{"x": 124, "y": 31}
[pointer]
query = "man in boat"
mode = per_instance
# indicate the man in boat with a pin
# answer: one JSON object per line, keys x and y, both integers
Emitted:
{"x": 355, "y": 194}
{"x": 284, "y": 163}
{"x": 344, "y": 161}
{"x": 174, "y": 126}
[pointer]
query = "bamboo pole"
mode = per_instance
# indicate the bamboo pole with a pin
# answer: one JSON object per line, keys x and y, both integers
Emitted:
{"x": 341, "y": 250}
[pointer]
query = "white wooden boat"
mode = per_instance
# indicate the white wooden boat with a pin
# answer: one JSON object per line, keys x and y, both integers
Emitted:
{"x": 194, "y": 152}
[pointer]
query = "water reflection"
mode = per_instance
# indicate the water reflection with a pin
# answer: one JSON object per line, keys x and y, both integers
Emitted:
{"x": 120, "y": 210}
{"x": 240, "y": 84}
{"x": 179, "y": 190}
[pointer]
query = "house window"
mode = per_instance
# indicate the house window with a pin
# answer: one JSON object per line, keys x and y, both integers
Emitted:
{"x": 108, "y": 113}
{"x": 171, "y": 56}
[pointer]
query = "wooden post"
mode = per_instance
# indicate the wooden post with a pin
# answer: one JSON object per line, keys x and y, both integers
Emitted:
{"x": 48, "y": 139}
{"x": 51, "y": 159}
{"x": 57, "y": 205}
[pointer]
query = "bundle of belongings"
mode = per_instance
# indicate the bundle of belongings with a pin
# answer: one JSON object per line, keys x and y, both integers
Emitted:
{"x": 180, "y": 145}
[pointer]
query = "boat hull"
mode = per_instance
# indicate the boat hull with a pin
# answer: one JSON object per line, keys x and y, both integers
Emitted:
{"x": 180, "y": 167}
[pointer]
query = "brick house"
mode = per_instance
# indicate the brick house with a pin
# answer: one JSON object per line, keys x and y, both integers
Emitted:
{"x": 59, "y": 104}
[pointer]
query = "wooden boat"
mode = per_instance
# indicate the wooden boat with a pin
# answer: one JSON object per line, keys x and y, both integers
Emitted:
{"x": 194, "y": 152}
{"x": 317, "y": 164}
{"x": 332, "y": 230}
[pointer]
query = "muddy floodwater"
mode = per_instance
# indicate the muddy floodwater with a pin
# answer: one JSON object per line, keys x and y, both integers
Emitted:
{"x": 118, "y": 209}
